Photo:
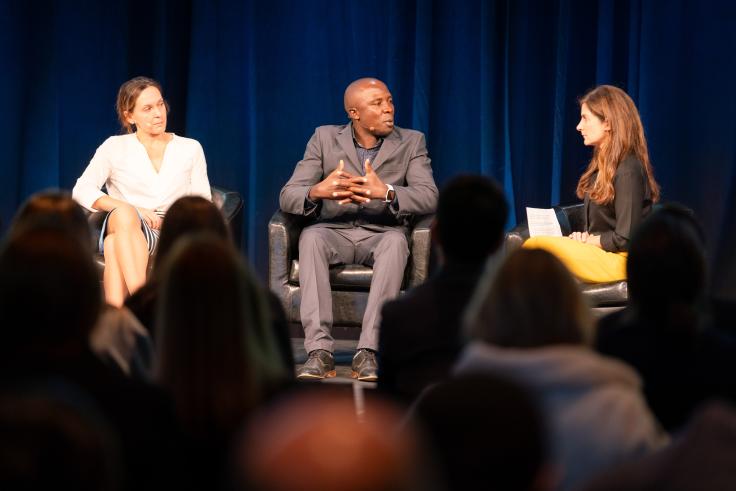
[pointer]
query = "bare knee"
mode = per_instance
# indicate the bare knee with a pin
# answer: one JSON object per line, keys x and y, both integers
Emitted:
{"x": 123, "y": 218}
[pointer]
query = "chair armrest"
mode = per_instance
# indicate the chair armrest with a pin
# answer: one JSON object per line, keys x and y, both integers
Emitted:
{"x": 515, "y": 237}
{"x": 421, "y": 244}
{"x": 95, "y": 219}
{"x": 230, "y": 203}
{"x": 283, "y": 245}
{"x": 571, "y": 218}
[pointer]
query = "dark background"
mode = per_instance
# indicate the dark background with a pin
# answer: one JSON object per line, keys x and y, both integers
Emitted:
{"x": 492, "y": 84}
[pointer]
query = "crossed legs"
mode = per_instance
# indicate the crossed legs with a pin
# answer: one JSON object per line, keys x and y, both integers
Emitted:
{"x": 126, "y": 255}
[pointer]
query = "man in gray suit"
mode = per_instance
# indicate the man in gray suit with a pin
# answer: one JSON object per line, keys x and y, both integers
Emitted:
{"x": 362, "y": 182}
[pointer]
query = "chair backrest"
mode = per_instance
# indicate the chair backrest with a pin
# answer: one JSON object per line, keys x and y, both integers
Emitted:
{"x": 230, "y": 204}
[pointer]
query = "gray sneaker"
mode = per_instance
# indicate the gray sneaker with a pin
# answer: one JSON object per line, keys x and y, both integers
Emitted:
{"x": 320, "y": 364}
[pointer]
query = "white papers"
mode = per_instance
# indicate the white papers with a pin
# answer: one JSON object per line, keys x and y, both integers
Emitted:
{"x": 543, "y": 222}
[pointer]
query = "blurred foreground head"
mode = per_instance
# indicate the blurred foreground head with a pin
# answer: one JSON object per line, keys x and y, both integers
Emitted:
{"x": 50, "y": 294}
{"x": 471, "y": 214}
{"x": 316, "y": 442}
{"x": 51, "y": 437}
{"x": 532, "y": 301}
{"x": 187, "y": 216}
{"x": 57, "y": 210}
{"x": 487, "y": 433}
{"x": 666, "y": 264}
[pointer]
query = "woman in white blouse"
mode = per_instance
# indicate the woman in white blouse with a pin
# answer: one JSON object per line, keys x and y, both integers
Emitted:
{"x": 144, "y": 172}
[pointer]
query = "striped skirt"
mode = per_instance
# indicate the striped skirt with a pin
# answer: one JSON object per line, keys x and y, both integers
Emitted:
{"x": 150, "y": 234}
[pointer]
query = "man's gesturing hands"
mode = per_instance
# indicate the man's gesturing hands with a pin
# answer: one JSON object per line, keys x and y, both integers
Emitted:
{"x": 346, "y": 188}
{"x": 334, "y": 186}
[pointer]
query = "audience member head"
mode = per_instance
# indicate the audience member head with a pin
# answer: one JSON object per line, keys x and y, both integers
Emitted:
{"x": 49, "y": 292}
{"x": 50, "y": 440}
{"x": 487, "y": 433}
{"x": 471, "y": 214}
{"x": 324, "y": 445}
{"x": 533, "y": 301}
{"x": 127, "y": 103}
{"x": 189, "y": 215}
{"x": 216, "y": 352}
{"x": 54, "y": 209}
{"x": 620, "y": 134}
{"x": 666, "y": 264}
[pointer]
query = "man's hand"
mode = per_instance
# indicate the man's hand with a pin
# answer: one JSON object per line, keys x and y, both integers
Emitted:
{"x": 368, "y": 187}
{"x": 335, "y": 186}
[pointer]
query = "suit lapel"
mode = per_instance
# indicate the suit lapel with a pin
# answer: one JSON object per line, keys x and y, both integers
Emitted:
{"x": 389, "y": 146}
{"x": 345, "y": 140}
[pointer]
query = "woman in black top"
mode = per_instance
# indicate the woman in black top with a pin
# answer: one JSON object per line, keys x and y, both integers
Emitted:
{"x": 618, "y": 188}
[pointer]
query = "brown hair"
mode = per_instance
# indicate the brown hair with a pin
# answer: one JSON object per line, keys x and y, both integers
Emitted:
{"x": 188, "y": 215}
{"x": 612, "y": 105}
{"x": 128, "y": 95}
{"x": 55, "y": 209}
{"x": 532, "y": 301}
{"x": 216, "y": 351}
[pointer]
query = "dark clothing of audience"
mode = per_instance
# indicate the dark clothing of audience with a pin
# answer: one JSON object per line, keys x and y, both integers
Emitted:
{"x": 681, "y": 365}
{"x": 141, "y": 414}
{"x": 702, "y": 459}
{"x": 487, "y": 432}
{"x": 421, "y": 331}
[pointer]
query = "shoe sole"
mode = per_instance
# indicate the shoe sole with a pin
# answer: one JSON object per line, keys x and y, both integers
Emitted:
{"x": 309, "y": 376}
{"x": 369, "y": 378}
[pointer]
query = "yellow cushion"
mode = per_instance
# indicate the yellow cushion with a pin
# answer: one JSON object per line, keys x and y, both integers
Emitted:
{"x": 588, "y": 263}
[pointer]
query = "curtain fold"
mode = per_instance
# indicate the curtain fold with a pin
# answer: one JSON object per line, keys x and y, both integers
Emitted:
{"x": 493, "y": 85}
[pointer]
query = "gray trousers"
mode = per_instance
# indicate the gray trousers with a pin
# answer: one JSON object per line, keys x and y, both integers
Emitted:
{"x": 320, "y": 247}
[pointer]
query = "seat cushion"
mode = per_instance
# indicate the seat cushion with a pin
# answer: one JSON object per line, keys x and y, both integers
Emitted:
{"x": 615, "y": 293}
{"x": 347, "y": 277}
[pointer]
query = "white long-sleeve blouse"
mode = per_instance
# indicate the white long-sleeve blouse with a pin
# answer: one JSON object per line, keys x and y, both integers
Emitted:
{"x": 122, "y": 164}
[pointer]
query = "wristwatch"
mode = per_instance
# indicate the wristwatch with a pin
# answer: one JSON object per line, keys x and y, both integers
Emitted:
{"x": 390, "y": 194}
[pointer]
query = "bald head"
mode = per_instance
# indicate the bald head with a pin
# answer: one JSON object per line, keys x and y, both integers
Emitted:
{"x": 353, "y": 91}
{"x": 370, "y": 107}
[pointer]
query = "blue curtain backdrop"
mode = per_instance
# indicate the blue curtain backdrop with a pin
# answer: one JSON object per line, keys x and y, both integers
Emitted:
{"x": 492, "y": 84}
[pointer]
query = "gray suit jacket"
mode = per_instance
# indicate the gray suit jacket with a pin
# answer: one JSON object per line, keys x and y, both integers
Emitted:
{"x": 402, "y": 162}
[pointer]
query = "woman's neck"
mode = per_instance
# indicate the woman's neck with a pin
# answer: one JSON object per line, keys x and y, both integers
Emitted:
{"x": 148, "y": 139}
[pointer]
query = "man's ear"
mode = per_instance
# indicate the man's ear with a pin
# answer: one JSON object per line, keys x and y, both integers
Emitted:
{"x": 353, "y": 113}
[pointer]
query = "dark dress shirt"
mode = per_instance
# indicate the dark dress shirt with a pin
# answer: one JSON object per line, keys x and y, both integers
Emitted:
{"x": 682, "y": 363}
{"x": 616, "y": 221}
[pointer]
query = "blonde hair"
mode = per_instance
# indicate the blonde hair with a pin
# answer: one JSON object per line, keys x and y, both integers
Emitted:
{"x": 626, "y": 137}
{"x": 532, "y": 301}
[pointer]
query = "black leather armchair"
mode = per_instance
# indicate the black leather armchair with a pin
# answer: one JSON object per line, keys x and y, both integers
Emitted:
{"x": 230, "y": 204}
{"x": 350, "y": 282}
{"x": 602, "y": 297}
